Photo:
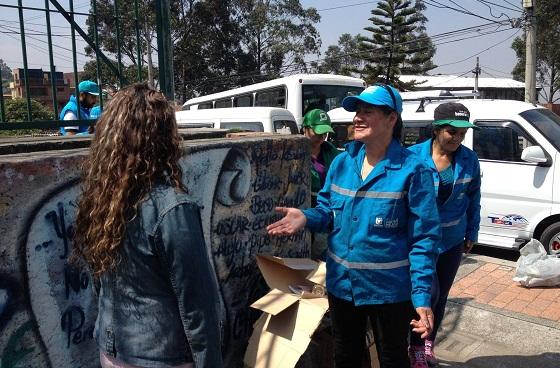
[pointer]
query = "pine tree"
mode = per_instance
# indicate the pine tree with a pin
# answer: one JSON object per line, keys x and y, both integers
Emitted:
{"x": 391, "y": 45}
{"x": 420, "y": 61}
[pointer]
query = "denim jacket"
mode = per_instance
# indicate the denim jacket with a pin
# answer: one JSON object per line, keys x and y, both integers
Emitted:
{"x": 159, "y": 306}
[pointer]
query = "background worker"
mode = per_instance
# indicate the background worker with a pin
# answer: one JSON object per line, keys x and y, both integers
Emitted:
{"x": 456, "y": 174}
{"x": 316, "y": 126}
{"x": 87, "y": 99}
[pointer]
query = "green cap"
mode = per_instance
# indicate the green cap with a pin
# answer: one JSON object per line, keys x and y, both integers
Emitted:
{"x": 318, "y": 120}
{"x": 454, "y": 114}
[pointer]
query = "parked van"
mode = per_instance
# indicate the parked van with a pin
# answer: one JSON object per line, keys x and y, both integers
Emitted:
{"x": 256, "y": 119}
{"x": 518, "y": 147}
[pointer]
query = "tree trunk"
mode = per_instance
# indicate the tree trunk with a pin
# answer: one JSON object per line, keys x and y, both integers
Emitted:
{"x": 149, "y": 53}
{"x": 552, "y": 78}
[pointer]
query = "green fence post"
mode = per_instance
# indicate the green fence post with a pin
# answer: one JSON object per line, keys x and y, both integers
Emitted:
{"x": 96, "y": 50}
{"x": 51, "y": 60}
{"x": 74, "y": 61}
{"x": 24, "y": 55}
{"x": 2, "y": 109}
{"x": 165, "y": 50}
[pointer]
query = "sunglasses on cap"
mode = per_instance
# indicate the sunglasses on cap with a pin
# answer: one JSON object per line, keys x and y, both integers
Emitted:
{"x": 391, "y": 93}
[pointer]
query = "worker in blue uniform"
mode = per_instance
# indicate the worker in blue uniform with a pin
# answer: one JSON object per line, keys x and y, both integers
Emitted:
{"x": 456, "y": 174}
{"x": 379, "y": 205}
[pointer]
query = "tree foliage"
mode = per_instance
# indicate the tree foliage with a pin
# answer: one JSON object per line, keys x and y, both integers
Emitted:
{"x": 16, "y": 111}
{"x": 6, "y": 73}
{"x": 276, "y": 36}
{"x": 548, "y": 50}
{"x": 217, "y": 44}
{"x": 342, "y": 59}
{"x": 397, "y": 43}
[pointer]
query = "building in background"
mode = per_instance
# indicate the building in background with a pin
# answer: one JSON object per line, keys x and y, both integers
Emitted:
{"x": 40, "y": 87}
{"x": 491, "y": 88}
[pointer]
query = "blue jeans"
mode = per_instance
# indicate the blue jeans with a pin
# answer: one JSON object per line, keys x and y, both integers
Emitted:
{"x": 446, "y": 268}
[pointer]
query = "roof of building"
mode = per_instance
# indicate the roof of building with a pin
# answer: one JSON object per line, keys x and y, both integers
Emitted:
{"x": 454, "y": 81}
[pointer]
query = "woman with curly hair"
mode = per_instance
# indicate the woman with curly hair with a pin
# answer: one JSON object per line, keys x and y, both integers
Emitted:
{"x": 141, "y": 236}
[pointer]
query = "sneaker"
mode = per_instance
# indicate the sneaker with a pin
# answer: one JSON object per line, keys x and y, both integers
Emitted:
{"x": 417, "y": 357}
{"x": 429, "y": 352}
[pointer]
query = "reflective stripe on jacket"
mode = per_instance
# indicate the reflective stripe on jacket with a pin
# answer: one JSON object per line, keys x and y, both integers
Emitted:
{"x": 460, "y": 213}
{"x": 385, "y": 229}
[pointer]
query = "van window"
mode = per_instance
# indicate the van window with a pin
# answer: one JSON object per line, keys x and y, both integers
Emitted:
{"x": 285, "y": 127}
{"x": 343, "y": 133}
{"x": 546, "y": 122}
{"x": 271, "y": 97}
{"x": 416, "y": 132}
{"x": 500, "y": 141}
{"x": 325, "y": 97}
{"x": 243, "y": 101}
{"x": 205, "y": 105}
{"x": 253, "y": 126}
{"x": 219, "y": 104}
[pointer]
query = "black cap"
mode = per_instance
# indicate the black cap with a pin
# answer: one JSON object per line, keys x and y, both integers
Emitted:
{"x": 454, "y": 114}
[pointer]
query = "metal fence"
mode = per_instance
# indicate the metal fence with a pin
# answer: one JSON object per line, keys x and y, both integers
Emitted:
{"x": 164, "y": 51}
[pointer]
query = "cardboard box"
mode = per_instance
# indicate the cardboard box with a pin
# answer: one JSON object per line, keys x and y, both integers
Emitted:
{"x": 283, "y": 332}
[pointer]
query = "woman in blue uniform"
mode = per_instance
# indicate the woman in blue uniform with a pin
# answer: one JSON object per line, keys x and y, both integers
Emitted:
{"x": 456, "y": 174}
{"x": 379, "y": 205}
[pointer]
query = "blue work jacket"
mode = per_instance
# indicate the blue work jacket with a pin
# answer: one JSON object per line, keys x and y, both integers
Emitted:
{"x": 72, "y": 105}
{"x": 460, "y": 213}
{"x": 385, "y": 228}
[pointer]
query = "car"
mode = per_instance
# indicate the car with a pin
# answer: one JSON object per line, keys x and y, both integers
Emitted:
{"x": 255, "y": 119}
{"x": 518, "y": 147}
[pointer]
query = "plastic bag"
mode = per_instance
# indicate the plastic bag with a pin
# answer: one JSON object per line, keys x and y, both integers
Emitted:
{"x": 535, "y": 267}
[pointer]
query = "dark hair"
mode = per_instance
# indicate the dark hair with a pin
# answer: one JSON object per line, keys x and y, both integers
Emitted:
{"x": 397, "y": 129}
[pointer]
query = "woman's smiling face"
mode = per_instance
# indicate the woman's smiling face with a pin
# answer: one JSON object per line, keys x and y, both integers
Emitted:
{"x": 449, "y": 138}
{"x": 371, "y": 122}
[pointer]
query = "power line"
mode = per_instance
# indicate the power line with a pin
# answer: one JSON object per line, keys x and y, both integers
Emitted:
{"x": 345, "y": 6}
{"x": 480, "y": 52}
{"x": 498, "y": 5}
{"x": 496, "y": 71}
{"x": 463, "y": 10}
{"x": 515, "y": 6}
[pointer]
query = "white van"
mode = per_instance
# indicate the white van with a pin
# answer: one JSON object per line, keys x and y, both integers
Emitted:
{"x": 256, "y": 119}
{"x": 518, "y": 146}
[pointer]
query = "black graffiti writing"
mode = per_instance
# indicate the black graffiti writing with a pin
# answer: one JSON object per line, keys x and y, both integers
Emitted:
{"x": 232, "y": 225}
{"x": 71, "y": 322}
{"x": 59, "y": 223}
{"x": 265, "y": 181}
{"x": 297, "y": 176}
{"x": 295, "y": 200}
{"x": 234, "y": 248}
{"x": 74, "y": 279}
{"x": 43, "y": 245}
{"x": 289, "y": 153}
{"x": 263, "y": 155}
{"x": 261, "y": 205}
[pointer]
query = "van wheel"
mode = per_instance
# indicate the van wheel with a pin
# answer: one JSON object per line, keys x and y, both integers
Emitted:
{"x": 550, "y": 239}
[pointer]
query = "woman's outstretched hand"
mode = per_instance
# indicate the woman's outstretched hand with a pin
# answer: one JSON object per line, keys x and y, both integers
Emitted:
{"x": 293, "y": 221}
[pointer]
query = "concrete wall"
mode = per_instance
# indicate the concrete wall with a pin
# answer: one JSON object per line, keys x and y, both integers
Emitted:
{"x": 47, "y": 308}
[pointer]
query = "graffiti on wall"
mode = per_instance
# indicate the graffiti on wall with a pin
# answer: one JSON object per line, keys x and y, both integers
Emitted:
{"x": 238, "y": 185}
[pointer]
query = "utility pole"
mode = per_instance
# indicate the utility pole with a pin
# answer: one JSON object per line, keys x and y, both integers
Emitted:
{"x": 530, "y": 52}
{"x": 476, "y": 72}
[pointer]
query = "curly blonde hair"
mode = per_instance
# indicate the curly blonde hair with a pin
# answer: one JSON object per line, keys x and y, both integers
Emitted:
{"x": 136, "y": 143}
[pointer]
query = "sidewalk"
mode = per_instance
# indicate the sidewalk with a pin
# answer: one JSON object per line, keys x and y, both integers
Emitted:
{"x": 493, "y": 322}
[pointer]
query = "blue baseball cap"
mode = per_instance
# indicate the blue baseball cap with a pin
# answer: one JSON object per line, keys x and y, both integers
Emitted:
{"x": 90, "y": 87}
{"x": 379, "y": 95}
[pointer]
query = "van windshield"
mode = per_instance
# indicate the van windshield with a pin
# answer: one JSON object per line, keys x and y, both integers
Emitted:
{"x": 325, "y": 97}
{"x": 546, "y": 122}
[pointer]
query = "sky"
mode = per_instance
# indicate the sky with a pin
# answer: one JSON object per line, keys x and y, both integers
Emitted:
{"x": 492, "y": 44}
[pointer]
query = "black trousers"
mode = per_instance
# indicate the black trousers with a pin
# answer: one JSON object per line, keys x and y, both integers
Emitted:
{"x": 390, "y": 324}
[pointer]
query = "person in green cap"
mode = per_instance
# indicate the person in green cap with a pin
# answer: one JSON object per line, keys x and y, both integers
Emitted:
{"x": 316, "y": 125}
